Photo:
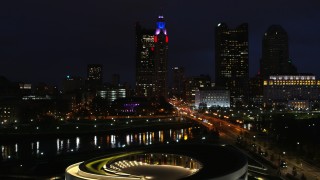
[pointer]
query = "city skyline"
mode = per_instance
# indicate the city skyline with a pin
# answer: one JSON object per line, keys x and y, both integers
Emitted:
{"x": 53, "y": 41}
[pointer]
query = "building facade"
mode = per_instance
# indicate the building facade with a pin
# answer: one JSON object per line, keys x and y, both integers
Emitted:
{"x": 152, "y": 60}
{"x": 145, "y": 84}
{"x": 212, "y": 98}
{"x": 72, "y": 84}
{"x": 275, "y": 53}
{"x": 111, "y": 94}
{"x": 94, "y": 77}
{"x": 232, "y": 60}
{"x": 194, "y": 83}
{"x": 255, "y": 91}
{"x": 161, "y": 41}
{"x": 178, "y": 88}
{"x": 291, "y": 90}
{"x": 9, "y": 111}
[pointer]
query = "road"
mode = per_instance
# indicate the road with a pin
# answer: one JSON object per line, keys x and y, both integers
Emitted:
{"x": 229, "y": 132}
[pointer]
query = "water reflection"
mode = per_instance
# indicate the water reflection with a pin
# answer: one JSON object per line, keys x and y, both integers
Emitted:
{"x": 55, "y": 146}
{"x": 77, "y": 143}
{"x": 38, "y": 148}
{"x": 95, "y": 141}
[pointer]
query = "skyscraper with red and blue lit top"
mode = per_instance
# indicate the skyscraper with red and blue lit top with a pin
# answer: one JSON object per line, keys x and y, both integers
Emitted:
{"x": 152, "y": 60}
{"x": 161, "y": 41}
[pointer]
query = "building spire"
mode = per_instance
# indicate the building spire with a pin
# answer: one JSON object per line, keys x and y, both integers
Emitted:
{"x": 161, "y": 25}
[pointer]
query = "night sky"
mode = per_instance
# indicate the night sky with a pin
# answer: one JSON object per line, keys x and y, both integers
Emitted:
{"x": 45, "y": 40}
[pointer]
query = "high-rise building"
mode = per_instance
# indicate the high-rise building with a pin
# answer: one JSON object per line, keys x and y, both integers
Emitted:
{"x": 275, "y": 53}
{"x": 255, "y": 91}
{"x": 161, "y": 58}
{"x": 178, "y": 88}
{"x": 94, "y": 76}
{"x": 152, "y": 60}
{"x": 231, "y": 60}
{"x": 144, "y": 61}
{"x": 94, "y": 72}
{"x": 72, "y": 84}
{"x": 194, "y": 83}
{"x": 115, "y": 80}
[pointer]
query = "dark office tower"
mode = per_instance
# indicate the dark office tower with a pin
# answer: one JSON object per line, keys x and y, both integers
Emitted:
{"x": 94, "y": 76}
{"x": 194, "y": 83}
{"x": 144, "y": 61}
{"x": 72, "y": 84}
{"x": 231, "y": 58}
{"x": 115, "y": 80}
{"x": 255, "y": 91}
{"x": 275, "y": 53}
{"x": 161, "y": 58}
{"x": 178, "y": 89}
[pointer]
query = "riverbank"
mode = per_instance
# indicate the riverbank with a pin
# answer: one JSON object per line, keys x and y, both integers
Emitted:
{"x": 45, "y": 157}
{"x": 77, "y": 129}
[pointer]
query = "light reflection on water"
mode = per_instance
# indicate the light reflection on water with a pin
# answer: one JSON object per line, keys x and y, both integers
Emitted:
{"x": 25, "y": 149}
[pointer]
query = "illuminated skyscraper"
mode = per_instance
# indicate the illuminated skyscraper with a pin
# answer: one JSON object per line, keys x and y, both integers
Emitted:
{"x": 161, "y": 58}
{"x": 275, "y": 53}
{"x": 151, "y": 60}
{"x": 144, "y": 61}
{"x": 94, "y": 76}
{"x": 178, "y": 89}
{"x": 94, "y": 72}
{"x": 232, "y": 60}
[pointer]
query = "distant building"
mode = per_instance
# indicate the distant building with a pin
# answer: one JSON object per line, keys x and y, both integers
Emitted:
{"x": 161, "y": 41}
{"x": 131, "y": 106}
{"x": 8, "y": 88}
{"x": 115, "y": 80}
{"x": 291, "y": 90}
{"x": 144, "y": 61}
{"x": 72, "y": 84}
{"x": 194, "y": 83}
{"x": 25, "y": 88}
{"x": 9, "y": 111}
{"x": 112, "y": 93}
{"x": 94, "y": 77}
{"x": 178, "y": 89}
{"x": 45, "y": 89}
{"x": 275, "y": 53}
{"x": 152, "y": 60}
{"x": 256, "y": 91}
{"x": 299, "y": 104}
{"x": 36, "y": 97}
{"x": 212, "y": 98}
{"x": 232, "y": 60}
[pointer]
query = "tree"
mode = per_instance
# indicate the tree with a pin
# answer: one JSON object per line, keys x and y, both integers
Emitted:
{"x": 294, "y": 171}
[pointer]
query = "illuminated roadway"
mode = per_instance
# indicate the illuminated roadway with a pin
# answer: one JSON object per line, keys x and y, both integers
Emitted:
{"x": 229, "y": 132}
{"x": 232, "y": 131}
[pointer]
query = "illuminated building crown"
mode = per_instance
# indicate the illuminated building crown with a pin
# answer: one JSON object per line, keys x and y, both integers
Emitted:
{"x": 161, "y": 26}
